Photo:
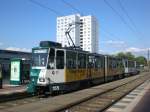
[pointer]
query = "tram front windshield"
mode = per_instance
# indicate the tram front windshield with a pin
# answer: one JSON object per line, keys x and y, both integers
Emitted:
{"x": 39, "y": 57}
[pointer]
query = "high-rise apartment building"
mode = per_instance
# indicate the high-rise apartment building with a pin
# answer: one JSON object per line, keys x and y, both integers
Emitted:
{"x": 84, "y": 35}
{"x": 89, "y": 34}
{"x": 62, "y": 26}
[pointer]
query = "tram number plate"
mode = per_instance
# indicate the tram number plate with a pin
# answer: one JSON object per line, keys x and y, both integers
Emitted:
{"x": 55, "y": 87}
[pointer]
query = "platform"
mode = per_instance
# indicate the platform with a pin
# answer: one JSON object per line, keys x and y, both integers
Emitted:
{"x": 9, "y": 92}
{"x": 136, "y": 101}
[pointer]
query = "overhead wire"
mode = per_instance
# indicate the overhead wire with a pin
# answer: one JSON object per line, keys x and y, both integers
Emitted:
{"x": 122, "y": 19}
{"x": 114, "y": 39}
{"x": 136, "y": 32}
{"x": 60, "y": 14}
{"x": 109, "y": 35}
{"x": 129, "y": 17}
{"x": 45, "y": 7}
{"x": 74, "y": 8}
{"x": 71, "y": 6}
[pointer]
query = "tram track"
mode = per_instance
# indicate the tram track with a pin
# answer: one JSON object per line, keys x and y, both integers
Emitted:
{"x": 18, "y": 102}
{"x": 101, "y": 102}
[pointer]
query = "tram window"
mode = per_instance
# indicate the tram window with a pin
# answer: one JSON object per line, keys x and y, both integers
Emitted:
{"x": 71, "y": 59}
{"x": 110, "y": 63}
{"x": 81, "y": 60}
{"x": 39, "y": 57}
{"x": 60, "y": 59}
{"x": 102, "y": 62}
{"x": 51, "y": 63}
{"x": 130, "y": 63}
{"x": 115, "y": 63}
{"x": 120, "y": 64}
{"x": 90, "y": 61}
{"x": 97, "y": 62}
{"x": 126, "y": 63}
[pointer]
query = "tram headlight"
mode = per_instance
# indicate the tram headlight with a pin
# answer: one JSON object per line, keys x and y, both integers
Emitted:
{"x": 42, "y": 79}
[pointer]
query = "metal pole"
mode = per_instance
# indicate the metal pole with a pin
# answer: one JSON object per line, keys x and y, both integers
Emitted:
{"x": 1, "y": 82}
{"x": 148, "y": 64}
{"x": 69, "y": 30}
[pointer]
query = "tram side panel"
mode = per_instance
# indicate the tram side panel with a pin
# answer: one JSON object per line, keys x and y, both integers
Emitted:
{"x": 109, "y": 70}
{"x": 82, "y": 67}
{"x": 113, "y": 68}
{"x": 97, "y": 68}
{"x": 72, "y": 77}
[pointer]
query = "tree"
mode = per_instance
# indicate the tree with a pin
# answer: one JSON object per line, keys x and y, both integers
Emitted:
{"x": 121, "y": 55}
{"x": 142, "y": 60}
{"x": 127, "y": 55}
{"x": 130, "y": 56}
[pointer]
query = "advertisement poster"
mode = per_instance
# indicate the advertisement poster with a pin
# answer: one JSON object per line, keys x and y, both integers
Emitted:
{"x": 15, "y": 71}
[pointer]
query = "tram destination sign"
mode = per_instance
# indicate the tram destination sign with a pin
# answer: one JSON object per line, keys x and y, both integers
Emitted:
{"x": 40, "y": 51}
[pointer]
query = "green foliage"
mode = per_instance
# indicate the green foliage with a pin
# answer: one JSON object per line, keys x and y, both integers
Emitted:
{"x": 121, "y": 55}
{"x": 142, "y": 60}
{"x": 128, "y": 55}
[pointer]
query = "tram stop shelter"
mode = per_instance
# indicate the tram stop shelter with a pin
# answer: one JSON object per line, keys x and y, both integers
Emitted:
{"x": 20, "y": 70}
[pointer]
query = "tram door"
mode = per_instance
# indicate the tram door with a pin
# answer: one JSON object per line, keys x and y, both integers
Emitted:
{"x": 56, "y": 65}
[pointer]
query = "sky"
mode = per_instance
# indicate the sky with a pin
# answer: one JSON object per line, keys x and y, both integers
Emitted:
{"x": 123, "y": 24}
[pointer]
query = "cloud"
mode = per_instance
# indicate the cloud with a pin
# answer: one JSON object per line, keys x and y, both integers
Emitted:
{"x": 134, "y": 49}
{"x": 18, "y": 49}
{"x": 114, "y": 43}
{"x": 102, "y": 52}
